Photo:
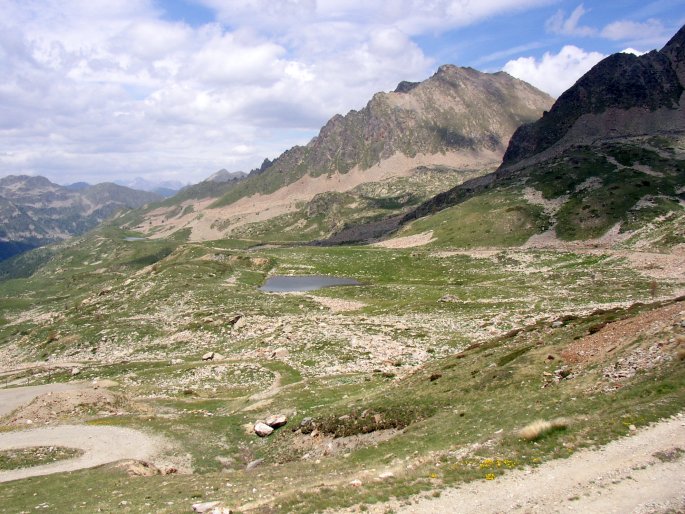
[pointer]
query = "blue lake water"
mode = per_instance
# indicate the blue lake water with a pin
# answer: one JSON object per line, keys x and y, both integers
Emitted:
{"x": 283, "y": 284}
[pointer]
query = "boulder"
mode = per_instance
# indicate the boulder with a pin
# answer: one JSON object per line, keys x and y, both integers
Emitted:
{"x": 75, "y": 371}
{"x": 205, "y": 507}
{"x": 140, "y": 468}
{"x": 262, "y": 429}
{"x": 208, "y": 356}
{"x": 280, "y": 353}
{"x": 234, "y": 319}
{"x": 276, "y": 420}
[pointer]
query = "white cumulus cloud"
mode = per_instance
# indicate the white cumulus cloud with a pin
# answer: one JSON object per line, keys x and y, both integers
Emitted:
{"x": 105, "y": 89}
{"x": 649, "y": 34}
{"x": 554, "y": 73}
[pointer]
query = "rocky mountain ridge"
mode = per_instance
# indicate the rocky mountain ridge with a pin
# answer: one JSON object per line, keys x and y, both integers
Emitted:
{"x": 458, "y": 120}
{"x": 456, "y": 109}
{"x": 622, "y": 96}
{"x": 35, "y": 211}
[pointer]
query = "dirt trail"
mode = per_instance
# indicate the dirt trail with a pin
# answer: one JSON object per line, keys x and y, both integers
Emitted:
{"x": 271, "y": 391}
{"x": 263, "y": 398}
{"x": 642, "y": 473}
{"x": 15, "y": 397}
{"x": 101, "y": 444}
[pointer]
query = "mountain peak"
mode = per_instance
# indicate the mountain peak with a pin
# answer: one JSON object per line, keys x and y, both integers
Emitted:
{"x": 676, "y": 43}
{"x": 675, "y": 51}
{"x": 223, "y": 175}
{"x": 623, "y": 95}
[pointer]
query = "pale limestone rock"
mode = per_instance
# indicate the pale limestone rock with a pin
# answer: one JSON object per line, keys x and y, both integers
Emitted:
{"x": 276, "y": 420}
{"x": 262, "y": 429}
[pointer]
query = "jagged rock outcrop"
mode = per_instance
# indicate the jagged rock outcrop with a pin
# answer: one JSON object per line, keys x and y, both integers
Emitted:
{"x": 623, "y": 95}
{"x": 456, "y": 122}
{"x": 457, "y": 109}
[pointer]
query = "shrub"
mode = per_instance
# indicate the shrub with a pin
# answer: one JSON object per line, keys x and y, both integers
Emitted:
{"x": 537, "y": 429}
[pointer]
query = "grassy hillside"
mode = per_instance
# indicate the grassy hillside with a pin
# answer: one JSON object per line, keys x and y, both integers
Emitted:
{"x": 396, "y": 375}
{"x": 581, "y": 194}
{"x": 330, "y": 212}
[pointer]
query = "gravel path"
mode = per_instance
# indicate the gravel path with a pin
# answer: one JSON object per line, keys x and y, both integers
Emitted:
{"x": 101, "y": 445}
{"x": 15, "y": 397}
{"x": 624, "y": 476}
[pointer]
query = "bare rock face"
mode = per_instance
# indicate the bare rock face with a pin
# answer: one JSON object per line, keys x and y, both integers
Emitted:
{"x": 455, "y": 109}
{"x": 623, "y": 95}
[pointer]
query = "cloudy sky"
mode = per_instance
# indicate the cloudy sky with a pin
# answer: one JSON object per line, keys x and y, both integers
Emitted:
{"x": 99, "y": 90}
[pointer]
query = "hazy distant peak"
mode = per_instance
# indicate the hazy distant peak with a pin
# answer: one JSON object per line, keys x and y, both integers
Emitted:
{"x": 224, "y": 175}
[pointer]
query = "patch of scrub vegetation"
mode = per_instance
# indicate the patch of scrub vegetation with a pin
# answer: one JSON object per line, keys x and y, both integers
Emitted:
{"x": 628, "y": 154}
{"x": 663, "y": 232}
{"x": 467, "y": 398}
{"x": 631, "y": 196}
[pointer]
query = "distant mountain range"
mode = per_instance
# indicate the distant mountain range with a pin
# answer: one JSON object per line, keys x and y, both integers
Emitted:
{"x": 608, "y": 154}
{"x": 35, "y": 211}
{"x": 165, "y": 188}
{"x": 402, "y": 148}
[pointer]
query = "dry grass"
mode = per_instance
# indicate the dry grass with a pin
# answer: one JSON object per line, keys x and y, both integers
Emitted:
{"x": 538, "y": 428}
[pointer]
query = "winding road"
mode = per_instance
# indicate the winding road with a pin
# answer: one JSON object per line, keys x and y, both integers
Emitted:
{"x": 100, "y": 444}
{"x": 15, "y": 397}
